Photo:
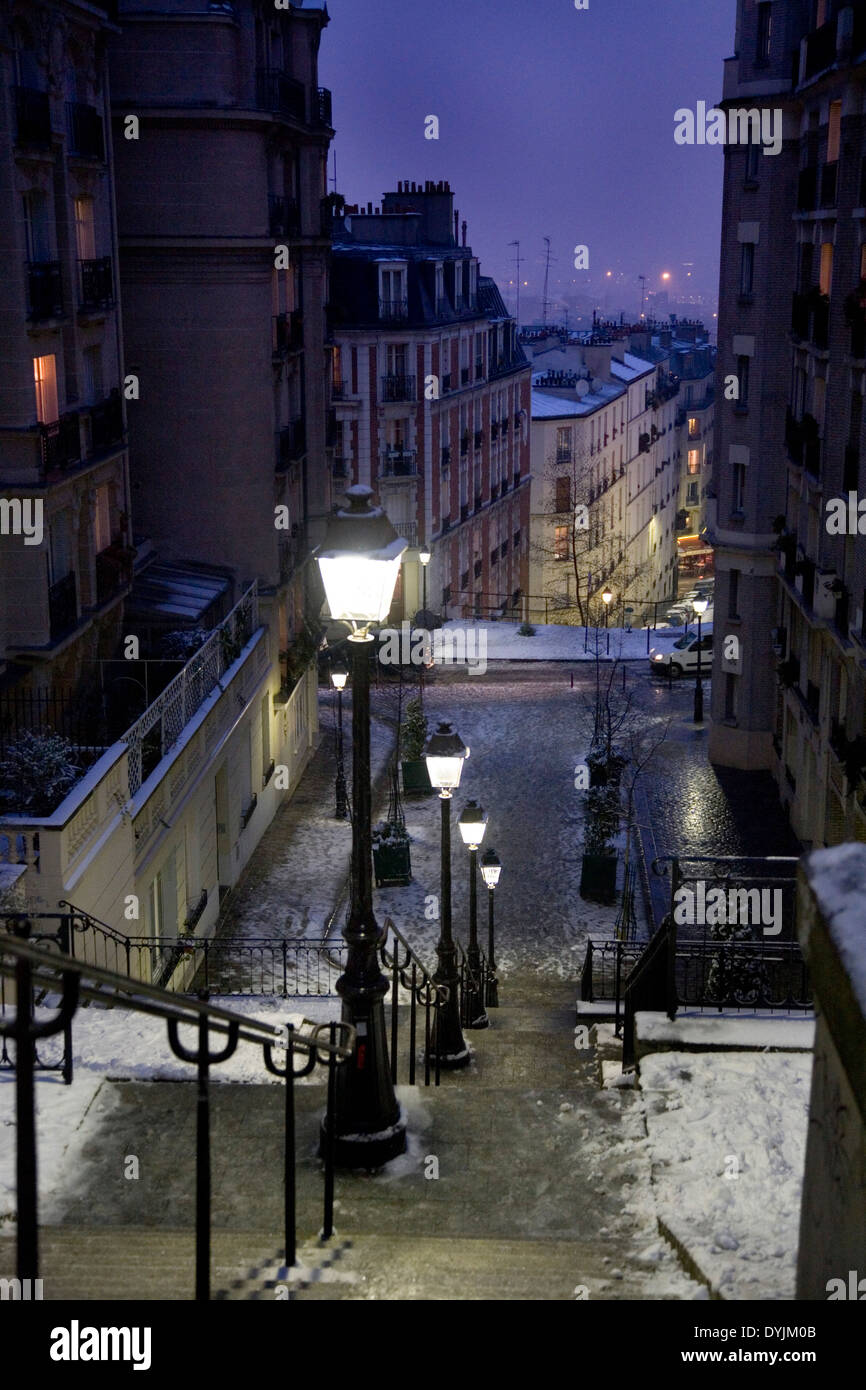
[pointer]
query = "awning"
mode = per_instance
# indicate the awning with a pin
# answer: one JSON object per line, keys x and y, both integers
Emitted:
{"x": 169, "y": 591}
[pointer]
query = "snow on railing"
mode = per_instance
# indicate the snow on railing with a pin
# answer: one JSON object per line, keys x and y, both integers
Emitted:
{"x": 159, "y": 728}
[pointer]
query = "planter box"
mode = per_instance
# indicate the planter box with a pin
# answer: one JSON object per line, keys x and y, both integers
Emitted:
{"x": 416, "y": 777}
{"x": 598, "y": 878}
{"x": 392, "y": 864}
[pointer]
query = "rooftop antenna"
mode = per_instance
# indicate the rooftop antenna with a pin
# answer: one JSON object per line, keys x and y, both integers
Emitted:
{"x": 642, "y": 279}
{"x": 335, "y": 168}
{"x": 544, "y": 300}
{"x": 519, "y": 262}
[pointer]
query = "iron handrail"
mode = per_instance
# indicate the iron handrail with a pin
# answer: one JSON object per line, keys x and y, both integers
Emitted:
{"x": 405, "y": 970}
{"x": 148, "y": 999}
{"x": 720, "y": 859}
{"x": 93, "y": 922}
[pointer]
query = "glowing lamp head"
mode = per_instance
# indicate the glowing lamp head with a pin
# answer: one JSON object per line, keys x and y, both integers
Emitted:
{"x": 607, "y": 596}
{"x": 445, "y": 753}
{"x": 359, "y": 560}
{"x": 473, "y": 824}
{"x": 424, "y": 555}
{"x": 491, "y": 867}
{"x": 339, "y": 676}
{"x": 700, "y": 606}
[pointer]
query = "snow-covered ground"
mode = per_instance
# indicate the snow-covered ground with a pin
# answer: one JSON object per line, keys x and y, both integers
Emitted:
{"x": 727, "y": 1137}
{"x": 117, "y": 1045}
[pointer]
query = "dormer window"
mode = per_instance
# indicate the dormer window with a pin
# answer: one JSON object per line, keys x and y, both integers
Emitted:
{"x": 393, "y": 300}
{"x": 458, "y": 285}
{"x": 473, "y": 283}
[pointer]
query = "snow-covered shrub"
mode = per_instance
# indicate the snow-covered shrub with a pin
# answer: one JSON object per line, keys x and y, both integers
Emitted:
{"x": 413, "y": 732}
{"x": 36, "y": 772}
{"x": 184, "y": 643}
{"x": 526, "y": 630}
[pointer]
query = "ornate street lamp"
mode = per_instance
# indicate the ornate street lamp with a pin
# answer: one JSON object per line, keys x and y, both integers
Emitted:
{"x": 359, "y": 561}
{"x": 607, "y": 599}
{"x": 472, "y": 825}
{"x": 425, "y": 557}
{"x": 491, "y": 868}
{"x": 700, "y": 607}
{"x": 445, "y": 754}
{"x": 339, "y": 676}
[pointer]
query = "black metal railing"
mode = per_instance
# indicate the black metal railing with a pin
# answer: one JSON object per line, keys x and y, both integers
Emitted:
{"x": 393, "y": 310}
{"x": 398, "y": 463}
{"x": 95, "y": 283}
{"x": 32, "y": 118}
{"x": 411, "y": 983}
{"x": 106, "y": 424}
{"x": 288, "y": 335}
{"x": 284, "y": 216}
{"x": 322, "y": 107}
{"x": 44, "y": 290}
{"x": 397, "y": 387}
{"x": 280, "y": 94}
{"x": 62, "y": 606}
{"x": 38, "y": 972}
{"x": 84, "y": 130}
{"x": 60, "y": 443}
{"x": 821, "y": 49}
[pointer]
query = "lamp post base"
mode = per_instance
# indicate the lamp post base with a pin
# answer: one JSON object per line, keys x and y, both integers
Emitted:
{"x": 366, "y": 1151}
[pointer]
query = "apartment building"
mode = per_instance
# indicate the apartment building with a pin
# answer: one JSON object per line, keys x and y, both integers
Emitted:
{"x": 63, "y": 456}
{"x": 693, "y": 362}
{"x": 605, "y": 470}
{"x": 432, "y": 400}
{"x": 793, "y": 333}
{"x": 221, "y": 138}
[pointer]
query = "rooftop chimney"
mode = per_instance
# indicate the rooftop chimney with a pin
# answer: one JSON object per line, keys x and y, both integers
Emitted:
{"x": 464, "y": 233}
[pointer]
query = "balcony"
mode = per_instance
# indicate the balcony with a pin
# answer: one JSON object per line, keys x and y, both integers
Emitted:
{"x": 291, "y": 443}
{"x": 479, "y": 369}
{"x": 464, "y": 376}
{"x": 44, "y": 290}
{"x": 517, "y": 477}
{"x": 284, "y": 216}
{"x": 113, "y": 572}
{"x": 563, "y": 455}
{"x": 60, "y": 444}
{"x": 341, "y": 467}
{"x": 446, "y": 383}
{"x": 84, "y": 130}
{"x": 504, "y": 484}
{"x": 494, "y": 491}
{"x": 478, "y": 439}
{"x": 32, "y": 118}
{"x": 322, "y": 107}
{"x": 339, "y": 390}
{"x": 445, "y": 457}
{"x": 464, "y": 582}
{"x": 477, "y": 568}
{"x": 464, "y": 443}
{"x": 479, "y": 501}
{"x": 398, "y": 463}
{"x": 62, "y": 606}
{"x": 393, "y": 310}
{"x": 820, "y": 49}
{"x": 494, "y": 555}
{"x": 408, "y": 530}
{"x": 95, "y": 284}
{"x": 280, "y": 94}
{"x": 398, "y": 388}
{"x": 464, "y": 510}
{"x": 445, "y": 525}
{"x": 288, "y": 333}
{"x": 443, "y": 308}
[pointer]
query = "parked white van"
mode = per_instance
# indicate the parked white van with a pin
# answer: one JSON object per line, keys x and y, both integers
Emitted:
{"x": 681, "y": 658}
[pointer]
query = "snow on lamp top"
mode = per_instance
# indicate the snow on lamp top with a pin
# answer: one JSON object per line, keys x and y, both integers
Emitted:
{"x": 445, "y": 753}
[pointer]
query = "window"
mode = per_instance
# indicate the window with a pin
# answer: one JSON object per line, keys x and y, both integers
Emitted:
{"x": 392, "y": 292}
{"x": 733, "y": 593}
{"x": 743, "y": 378}
{"x": 694, "y": 427}
{"x": 753, "y": 150}
{"x": 458, "y": 284}
{"x": 60, "y": 547}
{"x": 85, "y": 231}
{"x": 37, "y": 227}
{"x": 730, "y": 696}
{"x": 863, "y": 261}
{"x": 692, "y": 496}
{"x": 45, "y": 382}
{"x": 765, "y": 32}
{"x": 265, "y": 716}
{"x": 473, "y": 280}
{"x": 102, "y": 519}
{"x": 563, "y": 494}
{"x": 834, "y": 131}
{"x": 440, "y": 282}
{"x": 739, "y": 487}
{"x": 747, "y": 267}
{"x": 93, "y": 389}
{"x": 560, "y": 543}
{"x": 563, "y": 447}
{"x": 694, "y": 461}
{"x": 826, "y": 274}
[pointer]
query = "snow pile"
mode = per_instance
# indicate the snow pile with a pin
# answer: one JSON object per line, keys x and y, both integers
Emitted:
{"x": 727, "y": 1135}
{"x": 501, "y": 641}
{"x": 837, "y": 877}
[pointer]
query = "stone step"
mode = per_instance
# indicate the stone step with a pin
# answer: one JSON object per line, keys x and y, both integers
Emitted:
{"x": 129, "y": 1263}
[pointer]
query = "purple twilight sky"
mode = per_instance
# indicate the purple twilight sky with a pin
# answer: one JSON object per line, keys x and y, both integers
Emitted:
{"x": 553, "y": 122}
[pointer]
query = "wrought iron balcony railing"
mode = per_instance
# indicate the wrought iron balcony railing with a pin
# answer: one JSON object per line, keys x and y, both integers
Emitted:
{"x": 393, "y": 310}
{"x": 60, "y": 443}
{"x": 291, "y": 443}
{"x": 821, "y": 49}
{"x": 32, "y": 118}
{"x": 106, "y": 424}
{"x": 280, "y": 94}
{"x": 95, "y": 284}
{"x": 44, "y": 290}
{"x": 398, "y": 463}
{"x": 84, "y": 130}
{"x": 322, "y": 107}
{"x": 408, "y": 530}
{"x": 397, "y": 387}
{"x": 288, "y": 333}
{"x": 284, "y": 216}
